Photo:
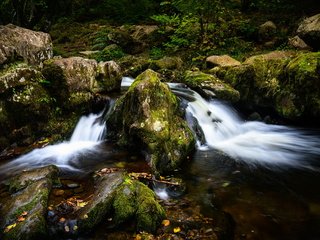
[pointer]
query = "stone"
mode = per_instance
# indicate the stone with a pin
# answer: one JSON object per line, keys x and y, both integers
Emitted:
{"x": 168, "y": 63}
{"x": 23, "y": 211}
{"x": 144, "y": 33}
{"x": 126, "y": 42}
{"x": 221, "y": 61}
{"x": 222, "y": 90}
{"x": 133, "y": 65}
{"x": 309, "y": 31}
{"x": 147, "y": 116}
{"x": 34, "y": 47}
{"x": 267, "y": 31}
{"x": 298, "y": 43}
{"x": 109, "y": 76}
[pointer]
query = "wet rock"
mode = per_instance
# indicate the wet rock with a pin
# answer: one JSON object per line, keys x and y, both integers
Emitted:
{"x": 16, "y": 42}
{"x": 222, "y": 90}
{"x": 221, "y": 61}
{"x": 147, "y": 116}
{"x": 23, "y": 212}
{"x": 309, "y": 31}
{"x": 101, "y": 203}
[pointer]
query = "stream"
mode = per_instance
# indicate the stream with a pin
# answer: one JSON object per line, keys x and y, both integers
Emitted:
{"x": 266, "y": 176}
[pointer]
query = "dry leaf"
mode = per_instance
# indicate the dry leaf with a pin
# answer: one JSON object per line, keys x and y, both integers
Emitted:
{"x": 66, "y": 228}
{"x": 166, "y": 222}
{"x": 62, "y": 220}
{"x": 21, "y": 219}
{"x": 176, "y": 229}
{"x": 25, "y": 213}
{"x": 81, "y": 204}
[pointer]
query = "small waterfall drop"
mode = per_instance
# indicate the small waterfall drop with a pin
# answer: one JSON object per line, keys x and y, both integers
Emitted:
{"x": 252, "y": 142}
{"x": 84, "y": 141}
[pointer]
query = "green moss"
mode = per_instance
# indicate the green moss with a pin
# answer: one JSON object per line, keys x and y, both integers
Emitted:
{"x": 134, "y": 200}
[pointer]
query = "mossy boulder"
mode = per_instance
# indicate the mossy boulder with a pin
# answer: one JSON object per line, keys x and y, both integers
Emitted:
{"x": 302, "y": 87}
{"x": 109, "y": 76}
{"x": 167, "y": 63}
{"x": 24, "y": 207}
{"x": 134, "y": 200}
{"x": 133, "y": 65}
{"x": 147, "y": 116}
{"x": 101, "y": 203}
{"x": 309, "y": 31}
{"x": 200, "y": 80}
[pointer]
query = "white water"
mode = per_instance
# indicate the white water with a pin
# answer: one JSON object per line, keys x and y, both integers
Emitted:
{"x": 84, "y": 141}
{"x": 252, "y": 142}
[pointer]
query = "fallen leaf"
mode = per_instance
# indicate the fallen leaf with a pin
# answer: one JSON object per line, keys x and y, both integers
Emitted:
{"x": 176, "y": 229}
{"x": 8, "y": 228}
{"x": 62, "y": 220}
{"x": 226, "y": 184}
{"x": 166, "y": 222}
{"x": 25, "y": 213}
{"x": 81, "y": 204}
{"x": 75, "y": 228}
{"x": 66, "y": 228}
{"x": 21, "y": 219}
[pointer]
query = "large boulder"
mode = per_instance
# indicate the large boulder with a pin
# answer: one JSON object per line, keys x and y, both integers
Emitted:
{"x": 86, "y": 75}
{"x": 16, "y": 42}
{"x": 267, "y": 31}
{"x": 222, "y": 90}
{"x": 309, "y": 31}
{"x": 147, "y": 116}
{"x": 301, "y": 89}
{"x": 24, "y": 204}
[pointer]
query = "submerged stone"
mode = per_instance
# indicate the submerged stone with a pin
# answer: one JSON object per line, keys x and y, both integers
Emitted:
{"x": 147, "y": 116}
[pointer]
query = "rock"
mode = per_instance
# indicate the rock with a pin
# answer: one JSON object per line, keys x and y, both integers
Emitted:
{"x": 221, "y": 61}
{"x": 168, "y": 63}
{"x": 309, "y": 31}
{"x": 144, "y": 32}
{"x": 80, "y": 73}
{"x": 101, "y": 203}
{"x": 109, "y": 76}
{"x": 267, "y": 31}
{"x": 222, "y": 90}
{"x": 147, "y": 116}
{"x": 23, "y": 211}
{"x": 88, "y": 53}
{"x": 302, "y": 87}
{"x": 86, "y": 75}
{"x": 133, "y": 65}
{"x": 34, "y": 47}
{"x": 18, "y": 75}
{"x": 126, "y": 42}
{"x": 135, "y": 200}
{"x": 298, "y": 43}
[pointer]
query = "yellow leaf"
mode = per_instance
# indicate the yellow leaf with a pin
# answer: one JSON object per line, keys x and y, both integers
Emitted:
{"x": 75, "y": 228}
{"x": 81, "y": 204}
{"x": 8, "y": 228}
{"x": 166, "y": 222}
{"x": 85, "y": 216}
{"x": 176, "y": 229}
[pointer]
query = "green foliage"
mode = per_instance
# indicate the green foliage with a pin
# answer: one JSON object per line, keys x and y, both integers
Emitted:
{"x": 100, "y": 39}
{"x": 156, "y": 53}
{"x": 108, "y": 54}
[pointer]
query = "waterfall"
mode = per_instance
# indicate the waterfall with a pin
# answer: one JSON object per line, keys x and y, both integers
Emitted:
{"x": 253, "y": 142}
{"x": 84, "y": 141}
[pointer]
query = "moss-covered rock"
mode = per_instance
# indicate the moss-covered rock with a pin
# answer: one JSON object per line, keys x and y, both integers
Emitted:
{"x": 147, "y": 116}
{"x": 134, "y": 200}
{"x": 133, "y": 65}
{"x": 101, "y": 203}
{"x": 23, "y": 210}
{"x": 200, "y": 80}
{"x": 109, "y": 76}
{"x": 302, "y": 86}
{"x": 167, "y": 63}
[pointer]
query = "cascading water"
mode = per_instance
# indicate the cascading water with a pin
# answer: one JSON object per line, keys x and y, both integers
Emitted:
{"x": 85, "y": 140}
{"x": 253, "y": 142}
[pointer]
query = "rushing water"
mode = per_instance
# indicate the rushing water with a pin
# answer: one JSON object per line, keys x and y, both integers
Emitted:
{"x": 266, "y": 176}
